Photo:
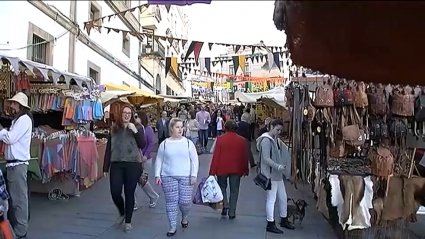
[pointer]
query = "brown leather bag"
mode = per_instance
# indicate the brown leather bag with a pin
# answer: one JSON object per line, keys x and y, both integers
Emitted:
{"x": 351, "y": 132}
{"x": 360, "y": 96}
{"x": 378, "y": 100}
{"x": 324, "y": 96}
{"x": 403, "y": 103}
{"x": 338, "y": 150}
{"x": 382, "y": 161}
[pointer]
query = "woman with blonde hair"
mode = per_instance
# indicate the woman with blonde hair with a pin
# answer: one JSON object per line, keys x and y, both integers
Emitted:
{"x": 176, "y": 169}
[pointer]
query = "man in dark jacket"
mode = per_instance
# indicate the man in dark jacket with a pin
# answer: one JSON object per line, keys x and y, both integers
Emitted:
{"x": 244, "y": 130}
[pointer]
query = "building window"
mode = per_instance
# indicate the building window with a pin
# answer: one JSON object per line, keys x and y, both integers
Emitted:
{"x": 95, "y": 12}
{"x": 231, "y": 70}
{"x": 39, "y": 49}
{"x": 41, "y": 45}
{"x": 93, "y": 71}
{"x": 126, "y": 44}
{"x": 168, "y": 91}
{"x": 247, "y": 69}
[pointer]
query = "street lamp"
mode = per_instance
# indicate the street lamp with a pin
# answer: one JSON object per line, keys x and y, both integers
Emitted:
{"x": 148, "y": 49}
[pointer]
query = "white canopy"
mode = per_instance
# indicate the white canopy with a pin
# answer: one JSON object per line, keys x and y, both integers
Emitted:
{"x": 277, "y": 95}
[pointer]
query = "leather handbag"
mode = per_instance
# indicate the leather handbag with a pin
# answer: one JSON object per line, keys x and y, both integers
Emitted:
{"x": 378, "y": 129}
{"x": 382, "y": 161}
{"x": 261, "y": 180}
{"x": 360, "y": 96}
{"x": 420, "y": 108}
{"x": 398, "y": 128}
{"x": 352, "y": 134}
{"x": 324, "y": 96}
{"x": 343, "y": 96}
{"x": 377, "y": 100}
{"x": 403, "y": 102}
{"x": 338, "y": 150}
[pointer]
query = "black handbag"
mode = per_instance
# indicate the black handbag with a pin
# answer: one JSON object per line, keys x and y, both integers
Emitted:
{"x": 261, "y": 180}
{"x": 378, "y": 129}
{"x": 420, "y": 108}
{"x": 398, "y": 128}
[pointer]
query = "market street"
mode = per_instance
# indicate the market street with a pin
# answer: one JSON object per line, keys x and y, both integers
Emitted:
{"x": 92, "y": 216}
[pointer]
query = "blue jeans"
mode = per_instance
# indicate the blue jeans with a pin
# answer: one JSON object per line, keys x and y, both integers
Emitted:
{"x": 203, "y": 137}
{"x": 219, "y": 132}
{"x": 194, "y": 139}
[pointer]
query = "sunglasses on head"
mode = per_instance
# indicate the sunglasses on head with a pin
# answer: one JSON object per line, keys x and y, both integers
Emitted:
{"x": 136, "y": 116}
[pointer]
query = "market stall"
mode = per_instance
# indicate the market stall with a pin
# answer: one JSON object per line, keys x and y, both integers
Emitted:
{"x": 60, "y": 132}
{"x": 356, "y": 148}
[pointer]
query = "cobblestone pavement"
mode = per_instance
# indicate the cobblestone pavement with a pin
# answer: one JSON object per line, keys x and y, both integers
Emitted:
{"x": 92, "y": 216}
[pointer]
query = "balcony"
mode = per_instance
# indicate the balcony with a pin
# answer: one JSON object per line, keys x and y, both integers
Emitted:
{"x": 158, "y": 50}
{"x": 151, "y": 18}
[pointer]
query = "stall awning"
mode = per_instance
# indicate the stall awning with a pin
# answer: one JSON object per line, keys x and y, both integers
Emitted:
{"x": 277, "y": 95}
{"x": 140, "y": 96}
{"x": 46, "y": 71}
{"x": 108, "y": 97}
{"x": 376, "y": 41}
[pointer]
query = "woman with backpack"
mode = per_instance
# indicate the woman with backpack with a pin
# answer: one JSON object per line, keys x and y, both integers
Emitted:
{"x": 176, "y": 169}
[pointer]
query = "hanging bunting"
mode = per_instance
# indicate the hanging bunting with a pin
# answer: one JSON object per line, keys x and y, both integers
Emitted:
{"x": 184, "y": 42}
{"x": 235, "y": 63}
{"x": 237, "y": 47}
{"x": 167, "y": 65}
{"x": 257, "y": 58}
{"x": 262, "y": 58}
{"x": 210, "y": 46}
{"x": 242, "y": 61}
{"x": 253, "y": 50}
{"x": 174, "y": 65}
{"x": 281, "y": 54}
{"x": 194, "y": 47}
{"x": 276, "y": 60}
{"x": 270, "y": 60}
{"x": 208, "y": 64}
{"x": 202, "y": 64}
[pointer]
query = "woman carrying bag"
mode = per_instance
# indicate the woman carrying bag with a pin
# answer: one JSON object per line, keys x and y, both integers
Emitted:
{"x": 270, "y": 176}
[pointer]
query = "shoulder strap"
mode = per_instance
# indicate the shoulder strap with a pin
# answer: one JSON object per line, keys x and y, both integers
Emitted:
{"x": 259, "y": 163}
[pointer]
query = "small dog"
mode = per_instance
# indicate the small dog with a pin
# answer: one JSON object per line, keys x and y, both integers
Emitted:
{"x": 297, "y": 211}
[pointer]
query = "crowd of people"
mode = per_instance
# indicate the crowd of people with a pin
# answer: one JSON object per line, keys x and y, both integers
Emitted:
{"x": 128, "y": 159}
{"x": 176, "y": 164}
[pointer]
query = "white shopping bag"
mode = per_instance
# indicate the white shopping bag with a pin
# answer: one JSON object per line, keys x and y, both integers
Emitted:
{"x": 211, "y": 192}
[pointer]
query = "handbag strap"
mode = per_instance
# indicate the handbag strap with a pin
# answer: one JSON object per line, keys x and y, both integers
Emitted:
{"x": 271, "y": 150}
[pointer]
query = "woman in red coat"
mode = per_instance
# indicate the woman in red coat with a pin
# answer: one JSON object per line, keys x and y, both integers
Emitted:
{"x": 230, "y": 162}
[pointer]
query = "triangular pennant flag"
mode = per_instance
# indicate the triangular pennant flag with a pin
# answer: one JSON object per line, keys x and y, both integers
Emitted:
{"x": 163, "y": 38}
{"x": 242, "y": 61}
{"x": 262, "y": 58}
{"x": 237, "y": 47}
{"x": 235, "y": 63}
{"x": 276, "y": 48}
{"x": 253, "y": 49}
{"x": 270, "y": 60}
{"x": 210, "y": 46}
{"x": 281, "y": 54}
{"x": 257, "y": 58}
{"x": 208, "y": 64}
{"x": 276, "y": 59}
{"x": 115, "y": 30}
{"x": 280, "y": 49}
{"x": 252, "y": 59}
{"x": 194, "y": 47}
{"x": 221, "y": 62}
{"x": 168, "y": 7}
{"x": 167, "y": 65}
{"x": 202, "y": 64}
{"x": 174, "y": 64}
{"x": 108, "y": 30}
{"x": 184, "y": 42}
{"x": 243, "y": 48}
{"x": 214, "y": 63}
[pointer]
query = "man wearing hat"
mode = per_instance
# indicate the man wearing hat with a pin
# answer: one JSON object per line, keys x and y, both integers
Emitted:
{"x": 17, "y": 154}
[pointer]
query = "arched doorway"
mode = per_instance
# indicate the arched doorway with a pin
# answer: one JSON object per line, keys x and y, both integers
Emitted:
{"x": 158, "y": 84}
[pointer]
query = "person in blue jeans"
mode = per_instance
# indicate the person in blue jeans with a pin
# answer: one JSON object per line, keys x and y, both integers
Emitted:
{"x": 192, "y": 127}
{"x": 204, "y": 119}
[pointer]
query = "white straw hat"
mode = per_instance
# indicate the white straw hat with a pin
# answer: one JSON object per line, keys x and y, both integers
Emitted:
{"x": 20, "y": 98}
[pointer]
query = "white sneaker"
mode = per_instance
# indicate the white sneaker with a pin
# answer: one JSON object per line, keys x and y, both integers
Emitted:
{"x": 119, "y": 221}
{"x": 153, "y": 204}
{"x": 128, "y": 227}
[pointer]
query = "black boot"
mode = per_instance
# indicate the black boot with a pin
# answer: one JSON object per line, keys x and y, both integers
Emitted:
{"x": 284, "y": 223}
{"x": 271, "y": 227}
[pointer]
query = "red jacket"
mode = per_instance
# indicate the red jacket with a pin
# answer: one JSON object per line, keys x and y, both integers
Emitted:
{"x": 230, "y": 156}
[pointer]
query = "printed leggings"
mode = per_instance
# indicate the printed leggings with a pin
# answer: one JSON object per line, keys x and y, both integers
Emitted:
{"x": 178, "y": 193}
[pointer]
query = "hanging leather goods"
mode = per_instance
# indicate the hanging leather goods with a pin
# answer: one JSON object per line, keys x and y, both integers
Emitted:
{"x": 343, "y": 96}
{"x": 378, "y": 129}
{"x": 309, "y": 110}
{"x": 338, "y": 149}
{"x": 403, "y": 102}
{"x": 360, "y": 96}
{"x": 352, "y": 134}
{"x": 398, "y": 128}
{"x": 324, "y": 96}
{"x": 382, "y": 161}
{"x": 377, "y": 100}
{"x": 420, "y": 108}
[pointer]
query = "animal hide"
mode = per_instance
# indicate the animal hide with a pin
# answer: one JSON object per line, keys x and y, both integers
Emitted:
{"x": 403, "y": 197}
